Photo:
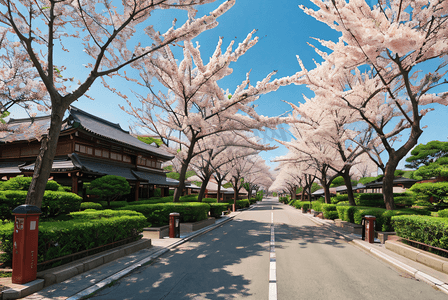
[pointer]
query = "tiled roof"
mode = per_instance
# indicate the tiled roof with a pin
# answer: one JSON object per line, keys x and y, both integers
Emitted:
{"x": 10, "y": 167}
{"x": 111, "y": 131}
{"x": 155, "y": 178}
{"x": 59, "y": 165}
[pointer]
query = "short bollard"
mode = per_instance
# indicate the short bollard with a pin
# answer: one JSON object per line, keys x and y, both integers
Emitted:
{"x": 174, "y": 225}
{"x": 370, "y": 228}
{"x": 25, "y": 242}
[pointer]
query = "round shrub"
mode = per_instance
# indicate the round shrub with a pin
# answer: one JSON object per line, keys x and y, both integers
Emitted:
{"x": 109, "y": 188}
{"x": 21, "y": 183}
{"x": 91, "y": 205}
{"x": 216, "y": 209}
{"x": 443, "y": 213}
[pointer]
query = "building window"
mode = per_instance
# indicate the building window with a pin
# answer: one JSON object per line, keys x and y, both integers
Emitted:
{"x": 126, "y": 158}
{"x": 115, "y": 156}
{"x": 105, "y": 154}
{"x": 98, "y": 152}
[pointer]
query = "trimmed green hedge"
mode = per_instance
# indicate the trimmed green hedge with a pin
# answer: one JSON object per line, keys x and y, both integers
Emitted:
{"x": 90, "y": 205}
{"x": 158, "y": 214}
{"x": 299, "y": 204}
{"x": 369, "y": 199}
{"x": 436, "y": 189}
{"x": 209, "y": 200}
{"x": 316, "y": 205}
{"x": 53, "y": 203}
{"x": 338, "y": 198}
{"x": 429, "y": 230}
{"x": 92, "y": 214}
{"x": 254, "y": 200}
{"x": 240, "y": 203}
{"x": 21, "y": 183}
{"x": 216, "y": 209}
{"x": 442, "y": 213}
{"x": 329, "y": 211}
{"x": 346, "y": 212}
{"x": 188, "y": 198}
{"x": 114, "y": 204}
{"x": 57, "y": 239}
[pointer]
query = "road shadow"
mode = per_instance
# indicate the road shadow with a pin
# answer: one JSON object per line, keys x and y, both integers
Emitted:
{"x": 222, "y": 264}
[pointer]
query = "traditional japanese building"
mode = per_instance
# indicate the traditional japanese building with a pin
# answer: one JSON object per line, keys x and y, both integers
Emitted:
{"x": 88, "y": 147}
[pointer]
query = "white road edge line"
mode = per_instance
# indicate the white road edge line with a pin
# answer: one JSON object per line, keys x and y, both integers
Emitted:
{"x": 272, "y": 263}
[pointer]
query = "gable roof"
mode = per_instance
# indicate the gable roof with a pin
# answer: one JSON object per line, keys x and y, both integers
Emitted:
{"x": 80, "y": 119}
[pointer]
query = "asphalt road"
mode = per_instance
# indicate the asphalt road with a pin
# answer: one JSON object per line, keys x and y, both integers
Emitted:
{"x": 237, "y": 261}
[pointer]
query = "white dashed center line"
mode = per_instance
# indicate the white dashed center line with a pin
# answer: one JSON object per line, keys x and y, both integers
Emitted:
{"x": 272, "y": 264}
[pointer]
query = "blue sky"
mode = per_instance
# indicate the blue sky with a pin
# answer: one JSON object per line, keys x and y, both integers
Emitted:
{"x": 284, "y": 31}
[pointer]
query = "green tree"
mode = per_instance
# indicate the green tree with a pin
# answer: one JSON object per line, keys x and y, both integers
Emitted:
{"x": 439, "y": 168}
{"x": 109, "y": 187}
{"x": 149, "y": 140}
{"x": 424, "y": 154}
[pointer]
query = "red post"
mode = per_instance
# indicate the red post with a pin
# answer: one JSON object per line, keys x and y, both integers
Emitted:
{"x": 370, "y": 228}
{"x": 174, "y": 225}
{"x": 26, "y": 230}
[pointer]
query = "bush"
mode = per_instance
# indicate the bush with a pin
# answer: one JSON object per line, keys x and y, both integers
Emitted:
{"x": 338, "y": 198}
{"x": 92, "y": 214}
{"x": 115, "y": 204}
{"x": 283, "y": 200}
{"x": 299, "y": 204}
{"x": 316, "y": 205}
{"x": 438, "y": 190}
{"x": 53, "y": 203}
{"x": 57, "y": 239}
{"x": 216, "y": 209}
{"x": 158, "y": 214}
{"x": 21, "y": 183}
{"x": 443, "y": 213}
{"x": 152, "y": 201}
{"x": 188, "y": 198}
{"x": 370, "y": 200}
{"x": 240, "y": 203}
{"x": 383, "y": 216}
{"x": 109, "y": 188}
{"x": 346, "y": 212}
{"x": 423, "y": 229}
{"x": 329, "y": 211}
{"x": 403, "y": 201}
{"x": 209, "y": 200}
{"x": 90, "y": 205}
{"x": 254, "y": 200}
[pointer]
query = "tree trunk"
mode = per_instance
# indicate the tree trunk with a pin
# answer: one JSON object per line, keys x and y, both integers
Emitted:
{"x": 235, "y": 194}
{"x": 294, "y": 193}
{"x": 44, "y": 161}
{"x": 392, "y": 163}
{"x": 388, "y": 184}
{"x": 348, "y": 184}
{"x": 203, "y": 187}
{"x": 183, "y": 171}
{"x": 327, "y": 194}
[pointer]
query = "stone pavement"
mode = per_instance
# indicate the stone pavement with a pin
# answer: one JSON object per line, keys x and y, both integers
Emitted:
{"x": 409, "y": 267}
{"x": 88, "y": 282}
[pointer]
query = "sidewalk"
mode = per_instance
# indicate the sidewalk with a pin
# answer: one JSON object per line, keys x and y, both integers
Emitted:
{"x": 410, "y": 267}
{"x": 89, "y": 282}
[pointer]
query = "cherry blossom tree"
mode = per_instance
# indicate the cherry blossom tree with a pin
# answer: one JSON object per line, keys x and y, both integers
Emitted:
{"x": 375, "y": 68}
{"x": 195, "y": 105}
{"x": 108, "y": 34}
{"x": 218, "y": 150}
{"x": 19, "y": 81}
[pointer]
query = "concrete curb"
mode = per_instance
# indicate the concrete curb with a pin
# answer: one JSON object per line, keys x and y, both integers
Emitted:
{"x": 101, "y": 284}
{"x": 419, "y": 275}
